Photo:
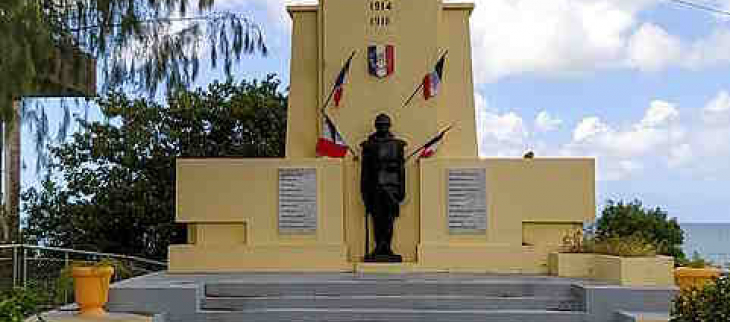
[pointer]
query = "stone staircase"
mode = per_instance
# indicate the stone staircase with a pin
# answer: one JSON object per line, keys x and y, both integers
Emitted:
{"x": 387, "y": 298}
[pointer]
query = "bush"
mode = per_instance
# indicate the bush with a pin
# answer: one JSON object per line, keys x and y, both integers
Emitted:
{"x": 622, "y": 220}
{"x": 18, "y": 304}
{"x": 711, "y": 303}
{"x": 696, "y": 262}
{"x": 577, "y": 242}
{"x": 632, "y": 246}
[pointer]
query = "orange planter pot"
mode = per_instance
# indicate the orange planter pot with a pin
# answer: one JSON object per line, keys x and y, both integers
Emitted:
{"x": 91, "y": 288}
{"x": 688, "y": 278}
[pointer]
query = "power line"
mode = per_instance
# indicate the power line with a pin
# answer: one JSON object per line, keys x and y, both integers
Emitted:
{"x": 703, "y": 7}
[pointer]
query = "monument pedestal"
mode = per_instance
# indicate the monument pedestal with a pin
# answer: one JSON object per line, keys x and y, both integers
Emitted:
{"x": 383, "y": 258}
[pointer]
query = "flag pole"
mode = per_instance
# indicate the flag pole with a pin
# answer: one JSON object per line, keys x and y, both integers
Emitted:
{"x": 421, "y": 86}
{"x": 332, "y": 92}
{"x": 429, "y": 141}
{"x": 413, "y": 95}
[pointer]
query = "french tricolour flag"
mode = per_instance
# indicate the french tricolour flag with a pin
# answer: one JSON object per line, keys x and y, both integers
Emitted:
{"x": 339, "y": 87}
{"x": 432, "y": 81}
{"x": 430, "y": 148}
{"x": 331, "y": 144}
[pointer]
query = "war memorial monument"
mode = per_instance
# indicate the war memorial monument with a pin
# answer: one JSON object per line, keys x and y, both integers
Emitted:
{"x": 450, "y": 236}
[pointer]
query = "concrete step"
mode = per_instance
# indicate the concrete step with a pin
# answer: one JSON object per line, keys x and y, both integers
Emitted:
{"x": 627, "y": 316}
{"x": 391, "y": 315}
{"x": 490, "y": 288}
{"x": 550, "y": 303}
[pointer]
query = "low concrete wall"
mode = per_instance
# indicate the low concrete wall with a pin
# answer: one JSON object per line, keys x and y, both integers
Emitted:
{"x": 626, "y": 271}
{"x": 571, "y": 265}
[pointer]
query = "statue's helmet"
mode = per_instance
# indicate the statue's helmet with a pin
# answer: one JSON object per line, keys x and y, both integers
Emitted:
{"x": 382, "y": 120}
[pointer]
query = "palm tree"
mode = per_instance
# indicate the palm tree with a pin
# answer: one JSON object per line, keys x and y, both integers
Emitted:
{"x": 133, "y": 44}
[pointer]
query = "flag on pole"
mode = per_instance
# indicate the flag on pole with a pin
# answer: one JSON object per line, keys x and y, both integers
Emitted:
{"x": 331, "y": 144}
{"x": 432, "y": 81}
{"x": 340, "y": 83}
{"x": 430, "y": 148}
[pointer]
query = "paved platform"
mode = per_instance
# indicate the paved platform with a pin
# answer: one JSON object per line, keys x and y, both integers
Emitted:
{"x": 70, "y": 316}
{"x": 381, "y": 297}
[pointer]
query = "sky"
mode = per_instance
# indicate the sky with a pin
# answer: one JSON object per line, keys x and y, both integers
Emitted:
{"x": 641, "y": 85}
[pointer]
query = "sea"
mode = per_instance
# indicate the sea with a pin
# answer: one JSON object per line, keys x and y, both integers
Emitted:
{"x": 711, "y": 241}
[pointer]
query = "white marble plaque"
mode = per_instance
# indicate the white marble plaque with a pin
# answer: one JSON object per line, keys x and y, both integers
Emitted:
{"x": 297, "y": 201}
{"x": 467, "y": 201}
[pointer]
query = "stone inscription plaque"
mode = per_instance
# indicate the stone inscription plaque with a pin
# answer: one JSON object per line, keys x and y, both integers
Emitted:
{"x": 467, "y": 201}
{"x": 297, "y": 201}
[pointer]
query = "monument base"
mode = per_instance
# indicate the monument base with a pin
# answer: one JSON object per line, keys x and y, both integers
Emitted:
{"x": 73, "y": 317}
{"x": 383, "y": 258}
{"x": 407, "y": 297}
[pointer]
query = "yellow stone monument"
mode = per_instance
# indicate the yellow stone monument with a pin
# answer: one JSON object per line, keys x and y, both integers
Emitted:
{"x": 304, "y": 213}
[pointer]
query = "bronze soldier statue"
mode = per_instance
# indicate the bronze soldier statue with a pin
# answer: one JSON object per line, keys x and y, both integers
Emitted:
{"x": 383, "y": 186}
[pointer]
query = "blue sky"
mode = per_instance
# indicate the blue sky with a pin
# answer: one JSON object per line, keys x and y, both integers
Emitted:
{"x": 642, "y": 85}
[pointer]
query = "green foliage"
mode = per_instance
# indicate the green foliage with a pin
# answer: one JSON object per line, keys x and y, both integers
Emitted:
{"x": 619, "y": 220}
{"x": 18, "y": 304}
{"x": 696, "y": 262}
{"x": 113, "y": 185}
{"x": 711, "y": 303}
{"x": 576, "y": 242}
{"x": 64, "y": 283}
{"x": 631, "y": 246}
{"x": 136, "y": 42}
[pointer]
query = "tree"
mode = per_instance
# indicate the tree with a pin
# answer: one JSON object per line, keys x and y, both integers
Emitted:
{"x": 139, "y": 44}
{"x": 113, "y": 185}
{"x": 142, "y": 43}
{"x": 620, "y": 219}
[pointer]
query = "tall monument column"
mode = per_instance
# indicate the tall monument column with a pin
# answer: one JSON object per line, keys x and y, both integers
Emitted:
{"x": 416, "y": 33}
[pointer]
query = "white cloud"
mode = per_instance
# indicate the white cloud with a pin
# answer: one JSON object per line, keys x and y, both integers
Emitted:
{"x": 499, "y": 134}
{"x": 660, "y": 113}
{"x": 625, "y": 150}
{"x": 710, "y": 51}
{"x": 651, "y": 48}
{"x": 546, "y": 122}
{"x": 588, "y": 128}
{"x": 680, "y": 155}
{"x": 571, "y": 37}
{"x": 717, "y": 112}
{"x": 512, "y": 37}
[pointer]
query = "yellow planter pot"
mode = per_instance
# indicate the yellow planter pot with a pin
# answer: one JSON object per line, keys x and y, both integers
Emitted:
{"x": 688, "y": 278}
{"x": 91, "y": 288}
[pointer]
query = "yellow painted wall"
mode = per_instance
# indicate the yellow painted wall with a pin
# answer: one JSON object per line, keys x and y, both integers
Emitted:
{"x": 302, "y": 124}
{"x": 420, "y": 31}
{"x": 232, "y": 206}
{"x": 457, "y": 100}
{"x": 547, "y": 234}
{"x": 625, "y": 271}
{"x": 518, "y": 191}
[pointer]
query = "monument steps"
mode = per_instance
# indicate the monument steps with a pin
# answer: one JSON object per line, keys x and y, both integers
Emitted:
{"x": 554, "y": 303}
{"x": 386, "y": 287}
{"x": 393, "y": 315}
{"x": 392, "y": 299}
